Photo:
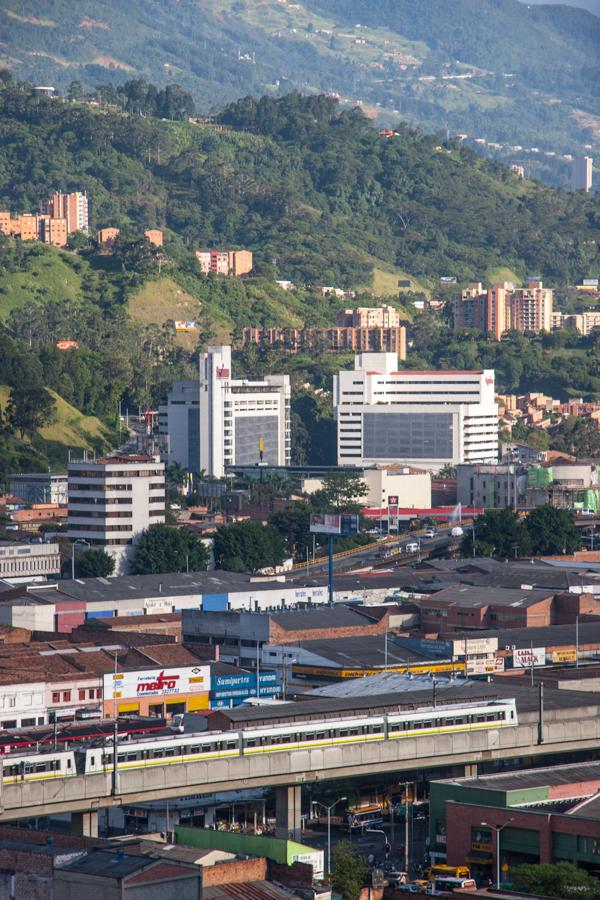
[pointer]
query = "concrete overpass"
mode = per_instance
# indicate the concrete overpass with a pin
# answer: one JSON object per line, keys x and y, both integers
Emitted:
{"x": 571, "y": 722}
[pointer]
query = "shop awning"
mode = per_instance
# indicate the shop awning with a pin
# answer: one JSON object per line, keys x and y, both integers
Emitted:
{"x": 479, "y": 857}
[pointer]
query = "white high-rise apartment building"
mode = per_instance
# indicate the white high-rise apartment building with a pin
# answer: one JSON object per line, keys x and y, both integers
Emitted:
{"x": 425, "y": 419}
{"x": 582, "y": 169}
{"x": 243, "y": 421}
{"x": 112, "y": 500}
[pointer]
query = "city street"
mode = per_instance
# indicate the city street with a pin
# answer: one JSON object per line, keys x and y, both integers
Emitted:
{"x": 368, "y": 842}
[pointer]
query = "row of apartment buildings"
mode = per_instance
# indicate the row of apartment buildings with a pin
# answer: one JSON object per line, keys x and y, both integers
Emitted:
{"x": 504, "y": 307}
{"x": 60, "y": 216}
{"x": 107, "y": 236}
{"x": 362, "y": 329}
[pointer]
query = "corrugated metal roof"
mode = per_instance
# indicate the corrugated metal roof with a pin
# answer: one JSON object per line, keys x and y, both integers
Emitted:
{"x": 247, "y": 890}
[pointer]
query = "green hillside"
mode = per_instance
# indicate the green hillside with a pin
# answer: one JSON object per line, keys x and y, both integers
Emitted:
{"x": 499, "y": 68}
{"x": 318, "y": 195}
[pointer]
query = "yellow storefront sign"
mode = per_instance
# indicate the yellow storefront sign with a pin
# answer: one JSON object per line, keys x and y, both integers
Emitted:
{"x": 563, "y": 656}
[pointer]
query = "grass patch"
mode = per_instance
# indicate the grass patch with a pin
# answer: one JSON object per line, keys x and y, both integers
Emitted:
{"x": 48, "y": 276}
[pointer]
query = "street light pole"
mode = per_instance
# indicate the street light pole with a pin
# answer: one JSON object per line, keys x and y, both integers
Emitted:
{"x": 498, "y": 829}
{"x": 329, "y": 809}
{"x": 79, "y": 542}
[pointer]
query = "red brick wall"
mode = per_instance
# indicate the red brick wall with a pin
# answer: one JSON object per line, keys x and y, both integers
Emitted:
{"x": 235, "y": 872}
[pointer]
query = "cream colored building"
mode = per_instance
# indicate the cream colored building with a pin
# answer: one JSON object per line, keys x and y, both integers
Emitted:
{"x": 397, "y": 486}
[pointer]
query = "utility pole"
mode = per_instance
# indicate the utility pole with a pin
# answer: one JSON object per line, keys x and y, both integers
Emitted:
{"x": 406, "y": 830}
{"x": 115, "y": 775}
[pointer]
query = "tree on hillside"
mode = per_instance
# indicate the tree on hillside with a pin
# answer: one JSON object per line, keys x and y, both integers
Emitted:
{"x": 343, "y": 491}
{"x": 94, "y": 564}
{"x": 562, "y": 880}
{"x": 552, "y": 531}
{"x": 248, "y": 546}
{"x": 498, "y": 533}
{"x": 348, "y": 871}
{"x": 164, "y": 549}
{"x": 30, "y": 406}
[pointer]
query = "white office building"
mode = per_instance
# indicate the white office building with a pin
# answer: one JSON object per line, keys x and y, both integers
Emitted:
{"x": 243, "y": 421}
{"x": 112, "y": 500}
{"x": 422, "y": 419}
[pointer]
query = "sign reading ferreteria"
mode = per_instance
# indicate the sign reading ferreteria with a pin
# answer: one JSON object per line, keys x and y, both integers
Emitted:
{"x": 157, "y": 682}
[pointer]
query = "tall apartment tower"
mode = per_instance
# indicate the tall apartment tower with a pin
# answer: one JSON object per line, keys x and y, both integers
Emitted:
{"x": 425, "y": 419}
{"x": 243, "y": 422}
{"x": 112, "y": 500}
{"x": 71, "y": 207}
{"x": 581, "y": 173}
{"x": 179, "y": 418}
{"x": 504, "y": 307}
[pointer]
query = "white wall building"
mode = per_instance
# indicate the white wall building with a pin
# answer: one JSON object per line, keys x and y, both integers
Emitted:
{"x": 425, "y": 419}
{"x": 112, "y": 500}
{"x": 28, "y": 562}
{"x": 397, "y": 486}
{"x": 243, "y": 421}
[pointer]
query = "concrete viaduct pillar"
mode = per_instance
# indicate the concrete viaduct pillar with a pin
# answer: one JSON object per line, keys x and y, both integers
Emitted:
{"x": 288, "y": 813}
{"x": 85, "y": 824}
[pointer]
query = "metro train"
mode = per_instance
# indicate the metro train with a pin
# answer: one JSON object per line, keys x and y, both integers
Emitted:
{"x": 324, "y": 733}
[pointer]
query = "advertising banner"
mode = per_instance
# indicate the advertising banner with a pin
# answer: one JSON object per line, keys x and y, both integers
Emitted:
{"x": 157, "y": 682}
{"x": 526, "y": 657}
{"x": 325, "y": 523}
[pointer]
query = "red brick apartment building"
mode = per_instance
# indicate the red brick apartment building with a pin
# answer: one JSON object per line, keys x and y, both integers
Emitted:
{"x": 342, "y": 338}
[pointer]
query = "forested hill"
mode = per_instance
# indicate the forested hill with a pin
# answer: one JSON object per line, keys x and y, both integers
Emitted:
{"x": 316, "y": 193}
{"x": 508, "y": 71}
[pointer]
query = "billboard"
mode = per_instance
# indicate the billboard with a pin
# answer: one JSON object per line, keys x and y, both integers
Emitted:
{"x": 157, "y": 682}
{"x": 334, "y": 523}
{"x": 326, "y": 523}
{"x": 185, "y": 326}
{"x": 525, "y": 657}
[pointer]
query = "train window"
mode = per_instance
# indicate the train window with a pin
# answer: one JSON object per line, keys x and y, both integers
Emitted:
{"x": 40, "y": 767}
{"x": 170, "y": 751}
{"x": 251, "y": 742}
{"x": 321, "y": 735}
{"x": 158, "y": 754}
{"x": 512, "y": 713}
{"x": 417, "y": 725}
{"x": 353, "y": 732}
{"x": 459, "y": 721}
{"x": 309, "y": 737}
{"x": 205, "y": 748}
{"x": 92, "y": 760}
{"x": 490, "y": 718}
{"x": 343, "y": 732}
{"x": 376, "y": 729}
{"x": 231, "y": 745}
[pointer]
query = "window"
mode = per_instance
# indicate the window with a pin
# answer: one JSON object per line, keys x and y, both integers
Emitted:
{"x": 81, "y": 693}
{"x": 56, "y": 696}
{"x": 66, "y": 696}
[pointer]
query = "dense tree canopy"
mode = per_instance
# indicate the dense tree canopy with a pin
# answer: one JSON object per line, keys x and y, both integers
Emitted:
{"x": 162, "y": 548}
{"x": 248, "y": 546}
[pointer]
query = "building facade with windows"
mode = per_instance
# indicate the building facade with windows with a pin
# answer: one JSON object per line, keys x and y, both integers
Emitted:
{"x": 28, "y": 562}
{"x": 504, "y": 307}
{"x": 179, "y": 419}
{"x": 113, "y": 500}
{"x": 417, "y": 418}
{"x": 244, "y": 421}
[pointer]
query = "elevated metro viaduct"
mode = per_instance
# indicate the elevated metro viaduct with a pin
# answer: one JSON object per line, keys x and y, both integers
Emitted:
{"x": 570, "y": 724}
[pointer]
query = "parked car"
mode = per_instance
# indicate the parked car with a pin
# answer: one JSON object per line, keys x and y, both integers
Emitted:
{"x": 411, "y": 547}
{"x": 430, "y": 533}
